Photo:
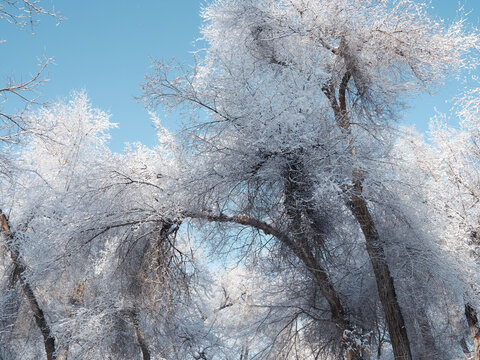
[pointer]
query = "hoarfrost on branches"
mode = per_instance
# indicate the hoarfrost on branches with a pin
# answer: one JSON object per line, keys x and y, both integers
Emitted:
{"x": 343, "y": 234}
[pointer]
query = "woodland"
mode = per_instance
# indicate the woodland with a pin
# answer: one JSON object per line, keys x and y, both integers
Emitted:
{"x": 292, "y": 217}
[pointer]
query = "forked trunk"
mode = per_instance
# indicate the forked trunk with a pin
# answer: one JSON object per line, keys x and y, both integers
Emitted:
{"x": 376, "y": 253}
{"x": 244, "y": 354}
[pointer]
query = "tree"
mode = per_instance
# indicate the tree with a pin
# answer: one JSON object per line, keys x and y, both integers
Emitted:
{"x": 12, "y": 128}
{"x": 298, "y": 98}
{"x": 448, "y": 164}
{"x": 113, "y": 279}
{"x": 351, "y": 238}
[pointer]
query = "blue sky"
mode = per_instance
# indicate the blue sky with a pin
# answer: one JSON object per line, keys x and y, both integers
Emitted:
{"x": 104, "y": 47}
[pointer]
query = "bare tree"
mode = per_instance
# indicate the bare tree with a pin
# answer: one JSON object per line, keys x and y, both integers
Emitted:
{"x": 13, "y": 124}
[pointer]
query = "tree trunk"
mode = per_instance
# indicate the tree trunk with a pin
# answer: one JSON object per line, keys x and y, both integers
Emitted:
{"x": 428, "y": 343}
{"x": 385, "y": 285}
{"x": 244, "y": 354}
{"x": 295, "y": 182}
{"x": 298, "y": 206}
{"x": 141, "y": 340}
{"x": 39, "y": 316}
{"x": 472, "y": 321}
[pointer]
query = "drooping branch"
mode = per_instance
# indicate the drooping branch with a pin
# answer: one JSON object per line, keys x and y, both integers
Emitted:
{"x": 20, "y": 268}
{"x": 21, "y": 13}
{"x": 243, "y": 220}
{"x": 14, "y": 125}
{"x": 300, "y": 247}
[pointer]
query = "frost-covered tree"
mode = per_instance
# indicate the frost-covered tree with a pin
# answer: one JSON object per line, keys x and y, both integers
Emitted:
{"x": 350, "y": 238}
{"x": 447, "y": 168}
{"x": 91, "y": 250}
{"x": 295, "y": 102}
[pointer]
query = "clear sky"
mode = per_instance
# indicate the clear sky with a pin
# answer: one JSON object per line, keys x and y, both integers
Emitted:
{"x": 104, "y": 46}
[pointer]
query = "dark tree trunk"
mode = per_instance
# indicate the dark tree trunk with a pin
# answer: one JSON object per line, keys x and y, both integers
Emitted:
{"x": 140, "y": 337}
{"x": 244, "y": 354}
{"x": 295, "y": 204}
{"x": 428, "y": 344}
{"x": 472, "y": 320}
{"x": 306, "y": 234}
{"x": 39, "y": 316}
{"x": 143, "y": 344}
{"x": 385, "y": 285}
{"x": 40, "y": 320}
